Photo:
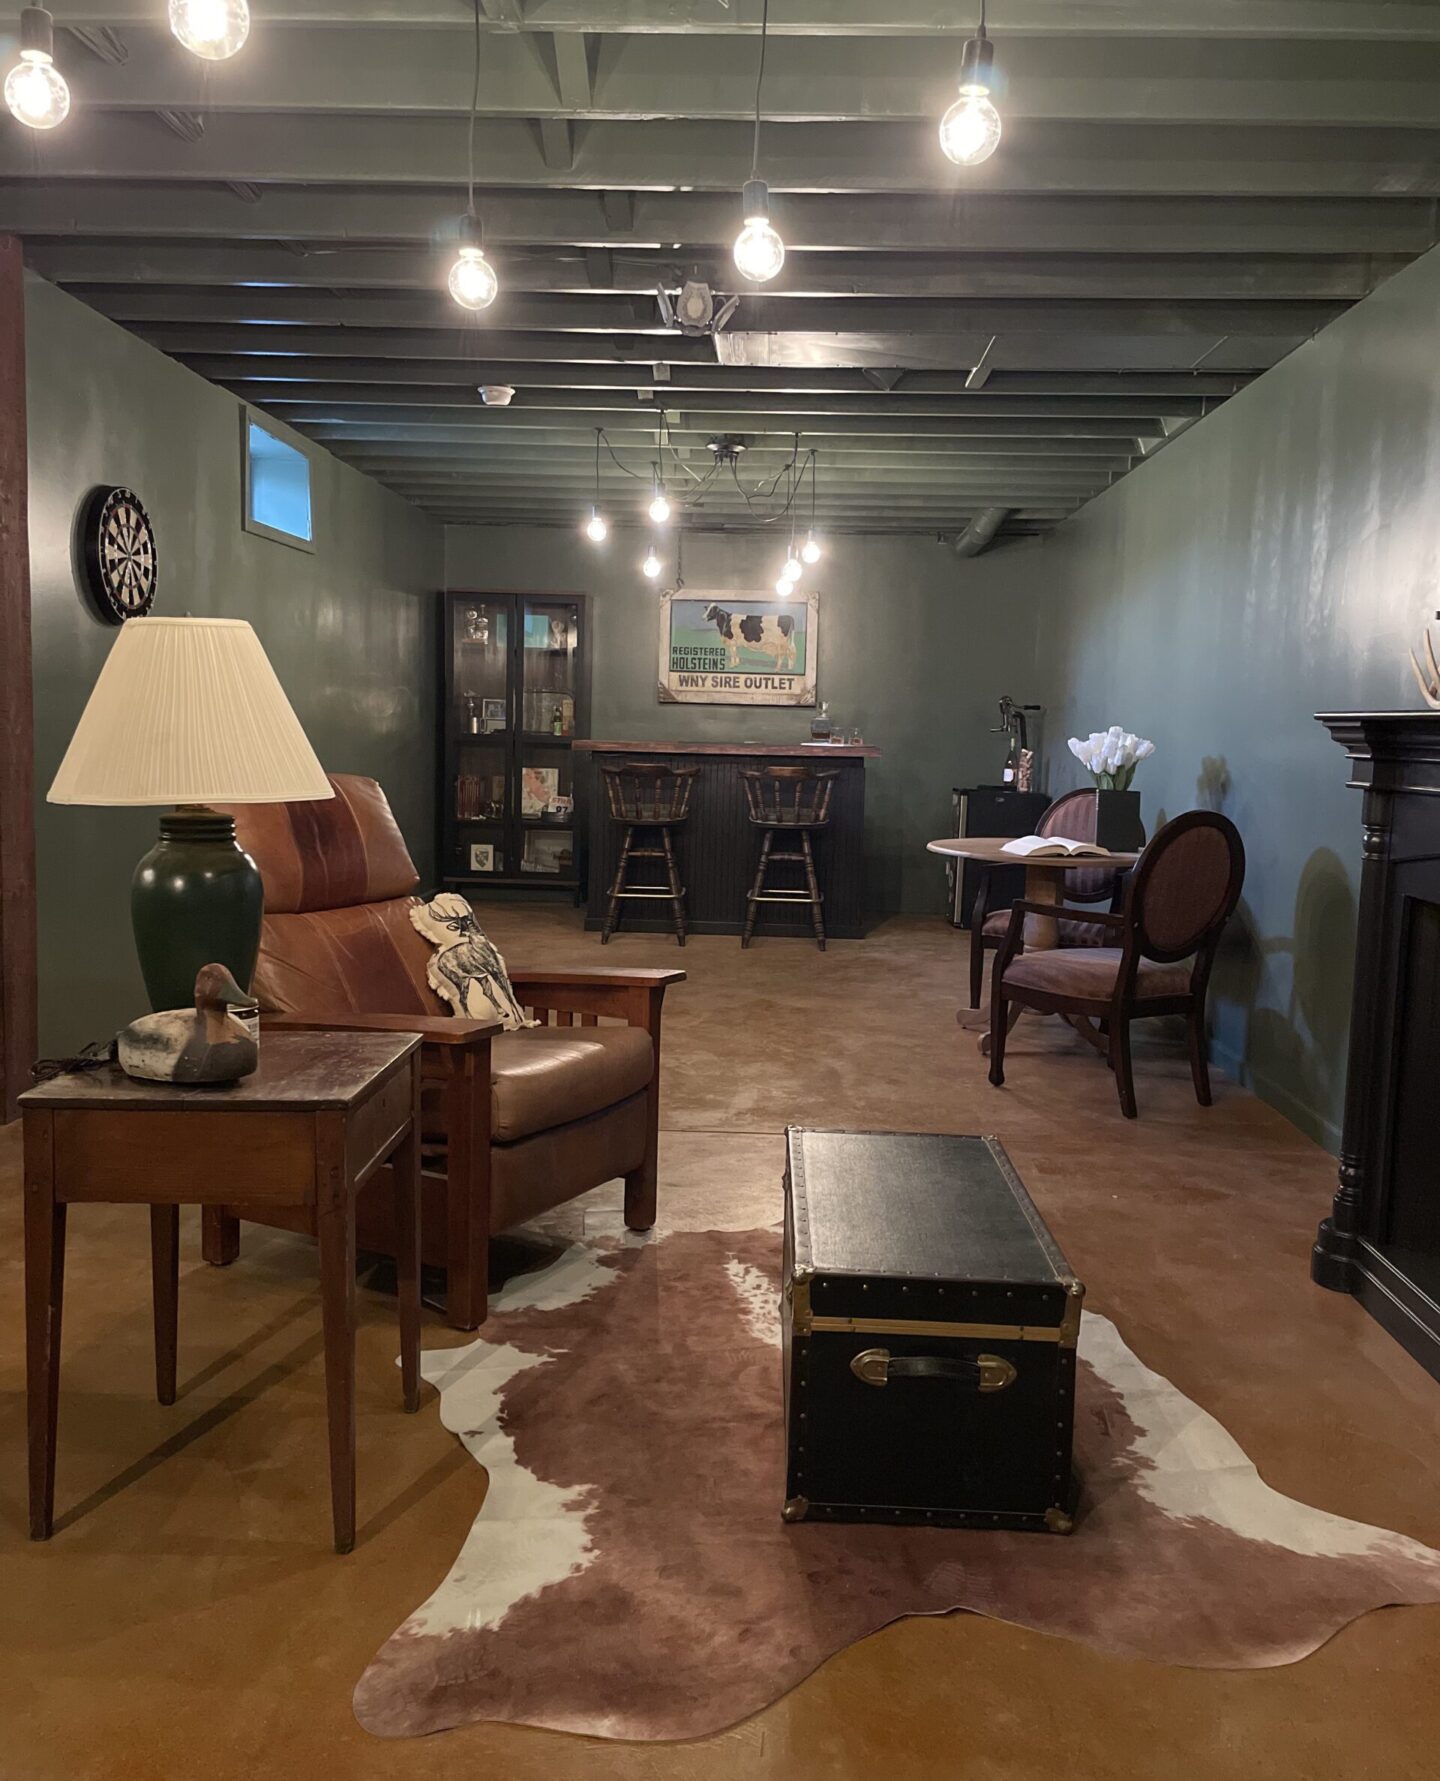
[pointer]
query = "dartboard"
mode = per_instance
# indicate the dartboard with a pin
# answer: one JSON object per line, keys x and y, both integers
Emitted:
{"x": 120, "y": 563}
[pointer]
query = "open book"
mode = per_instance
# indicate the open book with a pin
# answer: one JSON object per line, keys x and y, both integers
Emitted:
{"x": 1051, "y": 847}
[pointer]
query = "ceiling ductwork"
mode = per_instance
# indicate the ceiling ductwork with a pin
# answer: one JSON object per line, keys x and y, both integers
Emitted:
{"x": 980, "y": 533}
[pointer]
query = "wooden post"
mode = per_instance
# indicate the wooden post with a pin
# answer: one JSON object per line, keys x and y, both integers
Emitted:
{"x": 18, "y": 1015}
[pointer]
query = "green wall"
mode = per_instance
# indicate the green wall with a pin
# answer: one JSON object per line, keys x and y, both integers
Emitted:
{"x": 349, "y": 629}
{"x": 1276, "y": 560}
{"x": 902, "y": 656}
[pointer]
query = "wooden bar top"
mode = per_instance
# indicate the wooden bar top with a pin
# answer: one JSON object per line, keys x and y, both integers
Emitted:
{"x": 772, "y": 751}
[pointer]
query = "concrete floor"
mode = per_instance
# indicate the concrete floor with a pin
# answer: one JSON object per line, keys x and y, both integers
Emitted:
{"x": 189, "y": 1620}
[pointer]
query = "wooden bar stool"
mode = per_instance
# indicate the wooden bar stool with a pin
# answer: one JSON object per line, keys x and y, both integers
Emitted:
{"x": 785, "y": 801}
{"x": 648, "y": 799}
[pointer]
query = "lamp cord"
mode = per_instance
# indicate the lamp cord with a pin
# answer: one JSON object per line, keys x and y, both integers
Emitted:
{"x": 474, "y": 108}
{"x": 759, "y": 83}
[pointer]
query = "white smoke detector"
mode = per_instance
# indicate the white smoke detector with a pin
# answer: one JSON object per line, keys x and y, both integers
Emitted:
{"x": 497, "y": 395}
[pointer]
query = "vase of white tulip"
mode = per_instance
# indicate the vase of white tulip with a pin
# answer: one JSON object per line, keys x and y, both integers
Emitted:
{"x": 1111, "y": 757}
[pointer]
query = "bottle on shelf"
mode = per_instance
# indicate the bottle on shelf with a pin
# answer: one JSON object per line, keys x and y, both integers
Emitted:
{"x": 557, "y": 722}
{"x": 472, "y": 715}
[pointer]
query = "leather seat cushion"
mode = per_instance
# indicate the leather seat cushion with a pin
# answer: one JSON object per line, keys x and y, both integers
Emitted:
{"x": 1089, "y": 971}
{"x": 549, "y": 1076}
{"x": 1072, "y": 933}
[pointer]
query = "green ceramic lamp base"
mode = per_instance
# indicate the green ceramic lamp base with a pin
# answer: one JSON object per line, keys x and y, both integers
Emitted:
{"x": 196, "y": 899}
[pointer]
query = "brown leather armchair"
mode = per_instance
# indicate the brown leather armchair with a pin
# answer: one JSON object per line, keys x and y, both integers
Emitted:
{"x": 515, "y": 1123}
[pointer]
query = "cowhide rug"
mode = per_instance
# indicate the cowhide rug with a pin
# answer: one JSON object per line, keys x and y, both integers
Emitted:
{"x": 629, "y": 1575}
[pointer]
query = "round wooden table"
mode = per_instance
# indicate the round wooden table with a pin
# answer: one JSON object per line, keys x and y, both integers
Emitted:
{"x": 1044, "y": 883}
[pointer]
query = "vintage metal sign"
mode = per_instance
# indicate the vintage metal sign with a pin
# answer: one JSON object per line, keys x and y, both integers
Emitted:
{"x": 737, "y": 649}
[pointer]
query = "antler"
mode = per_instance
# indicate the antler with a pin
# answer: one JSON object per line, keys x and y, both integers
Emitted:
{"x": 1429, "y": 684}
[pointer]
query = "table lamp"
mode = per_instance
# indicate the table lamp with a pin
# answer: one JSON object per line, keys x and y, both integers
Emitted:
{"x": 188, "y": 711}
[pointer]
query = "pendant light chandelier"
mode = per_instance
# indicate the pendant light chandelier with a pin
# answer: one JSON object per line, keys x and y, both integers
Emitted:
{"x": 596, "y": 530}
{"x": 35, "y": 89}
{"x": 970, "y": 130}
{"x": 473, "y": 282}
{"x": 215, "y": 30}
{"x": 759, "y": 251}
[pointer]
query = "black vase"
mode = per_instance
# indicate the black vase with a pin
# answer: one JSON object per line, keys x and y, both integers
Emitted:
{"x": 1117, "y": 822}
{"x": 196, "y": 899}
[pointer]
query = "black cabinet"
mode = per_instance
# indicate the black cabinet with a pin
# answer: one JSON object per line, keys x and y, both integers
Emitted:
{"x": 1382, "y": 1240}
{"x": 516, "y": 695}
{"x": 990, "y": 810}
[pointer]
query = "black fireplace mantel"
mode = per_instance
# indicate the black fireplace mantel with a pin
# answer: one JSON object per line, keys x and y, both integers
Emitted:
{"x": 1382, "y": 1240}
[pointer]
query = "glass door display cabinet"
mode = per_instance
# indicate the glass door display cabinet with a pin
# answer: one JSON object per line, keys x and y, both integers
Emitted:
{"x": 516, "y": 695}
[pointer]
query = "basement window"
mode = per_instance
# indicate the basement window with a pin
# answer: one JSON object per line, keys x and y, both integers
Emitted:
{"x": 276, "y": 486}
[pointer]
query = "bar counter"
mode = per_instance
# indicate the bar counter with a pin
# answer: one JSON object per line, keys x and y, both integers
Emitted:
{"x": 718, "y": 847}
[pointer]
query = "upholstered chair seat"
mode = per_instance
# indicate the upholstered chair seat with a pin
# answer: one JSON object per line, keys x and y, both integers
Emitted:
{"x": 1073, "y": 815}
{"x": 514, "y": 1123}
{"x": 1155, "y": 958}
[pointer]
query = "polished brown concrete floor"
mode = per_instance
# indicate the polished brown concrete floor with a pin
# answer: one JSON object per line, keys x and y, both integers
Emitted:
{"x": 188, "y": 1619}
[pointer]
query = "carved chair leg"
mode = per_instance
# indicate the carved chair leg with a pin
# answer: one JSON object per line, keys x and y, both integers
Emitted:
{"x": 812, "y": 884}
{"x": 977, "y": 964}
{"x": 219, "y": 1236}
{"x": 1195, "y": 1038}
{"x": 1001, "y": 1020}
{"x": 1120, "y": 1063}
{"x": 612, "y": 912}
{"x": 677, "y": 895}
{"x": 753, "y": 909}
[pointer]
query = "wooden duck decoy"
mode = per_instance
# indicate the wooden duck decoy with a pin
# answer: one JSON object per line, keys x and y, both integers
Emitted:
{"x": 206, "y": 1044}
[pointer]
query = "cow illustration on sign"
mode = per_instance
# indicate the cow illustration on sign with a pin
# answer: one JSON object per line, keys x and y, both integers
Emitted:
{"x": 737, "y": 649}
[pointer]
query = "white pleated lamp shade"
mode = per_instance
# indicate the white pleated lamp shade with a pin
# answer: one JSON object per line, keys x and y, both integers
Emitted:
{"x": 188, "y": 711}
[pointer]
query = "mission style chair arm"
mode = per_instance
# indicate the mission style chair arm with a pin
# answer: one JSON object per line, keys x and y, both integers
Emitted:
{"x": 456, "y": 1058}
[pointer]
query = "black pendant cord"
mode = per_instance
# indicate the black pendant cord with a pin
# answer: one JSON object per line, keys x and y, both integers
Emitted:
{"x": 814, "y": 474}
{"x": 759, "y": 84}
{"x": 474, "y": 108}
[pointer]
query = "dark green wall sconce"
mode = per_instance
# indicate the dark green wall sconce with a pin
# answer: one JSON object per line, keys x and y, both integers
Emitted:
{"x": 188, "y": 712}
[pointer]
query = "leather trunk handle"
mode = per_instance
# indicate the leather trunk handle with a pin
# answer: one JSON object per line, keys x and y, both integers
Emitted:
{"x": 985, "y": 1372}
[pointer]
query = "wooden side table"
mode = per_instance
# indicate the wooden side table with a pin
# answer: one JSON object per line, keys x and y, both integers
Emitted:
{"x": 289, "y": 1146}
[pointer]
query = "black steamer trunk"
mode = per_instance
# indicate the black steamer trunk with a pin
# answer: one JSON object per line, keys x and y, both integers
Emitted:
{"x": 930, "y": 1325}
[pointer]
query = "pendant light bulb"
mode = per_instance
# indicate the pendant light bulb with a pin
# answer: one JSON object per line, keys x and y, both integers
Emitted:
{"x": 759, "y": 251}
{"x": 215, "y": 30}
{"x": 660, "y": 508}
{"x": 784, "y": 587}
{"x": 473, "y": 283}
{"x": 970, "y": 130}
{"x": 35, "y": 89}
{"x": 652, "y": 565}
{"x": 595, "y": 528}
{"x": 810, "y": 550}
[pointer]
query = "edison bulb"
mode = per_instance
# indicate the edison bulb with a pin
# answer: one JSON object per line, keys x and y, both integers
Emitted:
{"x": 970, "y": 130}
{"x": 784, "y": 587}
{"x": 652, "y": 566}
{"x": 810, "y": 550}
{"x": 473, "y": 283}
{"x": 213, "y": 29}
{"x": 759, "y": 251}
{"x": 792, "y": 570}
{"x": 660, "y": 508}
{"x": 36, "y": 92}
{"x": 595, "y": 527}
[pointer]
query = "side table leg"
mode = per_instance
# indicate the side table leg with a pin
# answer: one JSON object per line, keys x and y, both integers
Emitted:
{"x": 335, "y": 1234}
{"x": 165, "y": 1280}
{"x": 219, "y": 1236}
{"x": 44, "y": 1291}
{"x": 405, "y": 1169}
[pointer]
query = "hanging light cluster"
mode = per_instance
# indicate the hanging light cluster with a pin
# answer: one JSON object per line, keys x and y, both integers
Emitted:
{"x": 36, "y": 91}
{"x": 810, "y": 551}
{"x": 970, "y": 129}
